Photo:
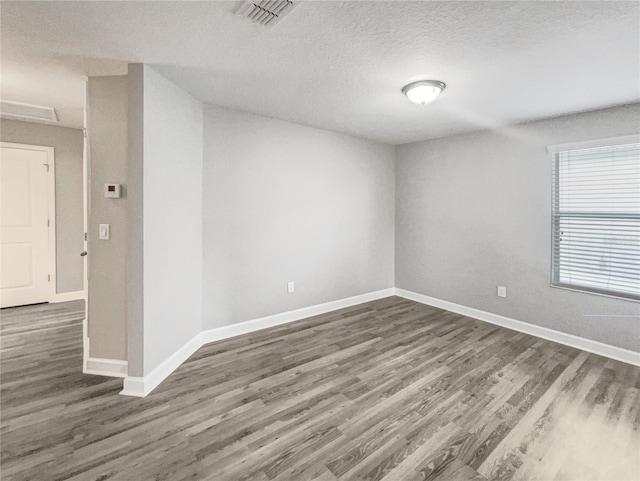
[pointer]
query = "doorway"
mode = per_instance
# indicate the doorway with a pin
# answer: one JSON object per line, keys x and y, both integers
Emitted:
{"x": 27, "y": 224}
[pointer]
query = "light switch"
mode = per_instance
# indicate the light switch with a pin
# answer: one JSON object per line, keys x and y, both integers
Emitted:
{"x": 105, "y": 232}
{"x": 291, "y": 287}
{"x": 502, "y": 291}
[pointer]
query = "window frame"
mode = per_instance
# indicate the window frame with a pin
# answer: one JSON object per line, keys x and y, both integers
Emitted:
{"x": 555, "y": 151}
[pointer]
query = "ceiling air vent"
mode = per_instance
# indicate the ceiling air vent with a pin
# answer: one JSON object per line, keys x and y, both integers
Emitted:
{"x": 30, "y": 113}
{"x": 266, "y": 12}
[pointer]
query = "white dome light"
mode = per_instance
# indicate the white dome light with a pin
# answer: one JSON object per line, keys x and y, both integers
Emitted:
{"x": 423, "y": 91}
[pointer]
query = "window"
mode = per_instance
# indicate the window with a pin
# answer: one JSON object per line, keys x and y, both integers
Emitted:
{"x": 596, "y": 220}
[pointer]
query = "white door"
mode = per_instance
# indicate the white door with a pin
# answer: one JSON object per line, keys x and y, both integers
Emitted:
{"x": 26, "y": 181}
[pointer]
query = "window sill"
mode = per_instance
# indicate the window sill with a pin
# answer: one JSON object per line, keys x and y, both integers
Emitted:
{"x": 612, "y": 296}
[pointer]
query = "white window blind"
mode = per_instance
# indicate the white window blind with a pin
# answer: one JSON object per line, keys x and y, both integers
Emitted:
{"x": 596, "y": 220}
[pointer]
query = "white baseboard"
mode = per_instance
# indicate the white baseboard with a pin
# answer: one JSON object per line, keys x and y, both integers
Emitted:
{"x": 232, "y": 330}
{"x": 134, "y": 386}
{"x": 595, "y": 347}
{"x": 142, "y": 386}
{"x": 68, "y": 296}
{"x": 105, "y": 367}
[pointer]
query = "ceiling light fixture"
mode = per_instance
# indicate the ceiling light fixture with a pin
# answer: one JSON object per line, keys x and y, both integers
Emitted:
{"x": 423, "y": 91}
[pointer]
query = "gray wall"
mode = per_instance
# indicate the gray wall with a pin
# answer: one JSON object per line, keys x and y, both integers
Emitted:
{"x": 473, "y": 212}
{"x": 135, "y": 252}
{"x": 107, "y": 148}
{"x": 169, "y": 166}
{"x": 283, "y": 202}
{"x": 68, "y": 147}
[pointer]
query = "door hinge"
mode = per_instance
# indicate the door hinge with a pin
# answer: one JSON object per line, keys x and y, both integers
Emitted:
{"x": 85, "y": 236}
{"x": 48, "y": 277}
{"x": 48, "y": 223}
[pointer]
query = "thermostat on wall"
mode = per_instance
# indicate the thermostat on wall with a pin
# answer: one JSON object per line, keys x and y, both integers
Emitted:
{"x": 112, "y": 191}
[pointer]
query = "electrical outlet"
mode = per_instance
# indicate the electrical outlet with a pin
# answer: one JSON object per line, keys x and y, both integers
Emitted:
{"x": 502, "y": 291}
{"x": 291, "y": 287}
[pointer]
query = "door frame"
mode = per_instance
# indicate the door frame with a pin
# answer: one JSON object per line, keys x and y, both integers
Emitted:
{"x": 51, "y": 210}
{"x": 86, "y": 213}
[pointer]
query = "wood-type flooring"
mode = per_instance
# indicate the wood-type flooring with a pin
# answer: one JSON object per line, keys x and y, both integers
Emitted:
{"x": 388, "y": 390}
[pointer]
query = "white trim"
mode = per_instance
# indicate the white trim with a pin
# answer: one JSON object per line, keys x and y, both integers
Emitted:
{"x": 606, "y": 350}
{"x": 134, "y": 386}
{"x": 85, "y": 228}
{"x": 594, "y": 144}
{"x": 51, "y": 191}
{"x": 233, "y": 330}
{"x": 86, "y": 346}
{"x": 142, "y": 386}
{"x": 594, "y": 293}
{"x": 51, "y": 208}
{"x": 106, "y": 367}
{"x": 68, "y": 296}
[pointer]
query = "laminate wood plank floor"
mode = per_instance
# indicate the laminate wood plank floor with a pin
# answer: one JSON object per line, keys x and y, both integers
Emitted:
{"x": 388, "y": 390}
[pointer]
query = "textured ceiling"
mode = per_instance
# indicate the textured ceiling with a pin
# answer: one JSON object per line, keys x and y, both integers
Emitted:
{"x": 341, "y": 65}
